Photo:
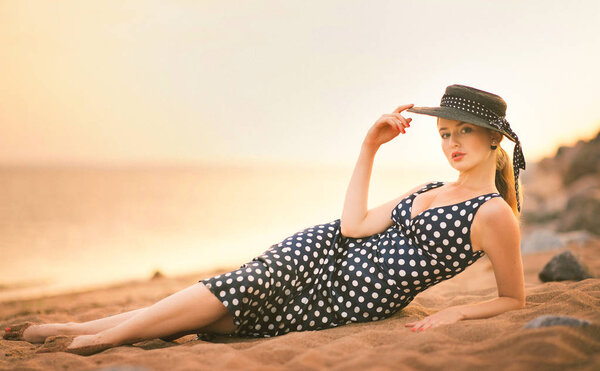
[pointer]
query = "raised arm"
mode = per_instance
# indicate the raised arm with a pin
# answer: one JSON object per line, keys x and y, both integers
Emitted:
{"x": 356, "y": 220}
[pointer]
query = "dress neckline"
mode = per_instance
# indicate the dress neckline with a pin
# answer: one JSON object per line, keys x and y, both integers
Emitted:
{"x": 411, "y": 219}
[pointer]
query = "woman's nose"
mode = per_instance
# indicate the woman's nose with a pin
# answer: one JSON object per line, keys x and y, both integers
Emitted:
{"x": 453, "y": 140}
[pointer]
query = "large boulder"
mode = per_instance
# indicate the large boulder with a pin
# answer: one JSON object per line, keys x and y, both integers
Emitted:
{"x": 582, "y": 212}
{"x": 563, "y": 192}
{"x": 584, "y": 160}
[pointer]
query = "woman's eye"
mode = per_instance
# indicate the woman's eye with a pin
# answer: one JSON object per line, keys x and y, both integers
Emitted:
{"x": 464, "y": 129}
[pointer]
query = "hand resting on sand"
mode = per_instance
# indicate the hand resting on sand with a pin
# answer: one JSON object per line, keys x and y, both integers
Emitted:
{"x": 443, "y": 317}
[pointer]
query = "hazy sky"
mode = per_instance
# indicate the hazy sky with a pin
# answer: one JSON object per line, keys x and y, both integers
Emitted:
{"x": 296, "y": 82}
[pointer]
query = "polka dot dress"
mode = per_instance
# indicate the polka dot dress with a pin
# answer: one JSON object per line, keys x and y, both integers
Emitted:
{"x": 319, "y": 279}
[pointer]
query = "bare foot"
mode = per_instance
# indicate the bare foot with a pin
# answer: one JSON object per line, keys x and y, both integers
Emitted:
{"x": 39, "y": 333}
{"x": 83, "y": 341}
{"x": 84, "y": 345}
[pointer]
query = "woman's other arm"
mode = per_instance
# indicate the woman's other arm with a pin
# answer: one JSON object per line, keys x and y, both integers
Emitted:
{"x": 496, "y": 230}
{"x": 356, "y": 220}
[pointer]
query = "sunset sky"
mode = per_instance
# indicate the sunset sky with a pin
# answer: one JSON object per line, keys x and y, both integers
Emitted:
{"x": 290, "y": 82}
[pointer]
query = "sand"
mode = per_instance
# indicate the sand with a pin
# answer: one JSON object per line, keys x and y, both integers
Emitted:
{"x": 496, "y": 343}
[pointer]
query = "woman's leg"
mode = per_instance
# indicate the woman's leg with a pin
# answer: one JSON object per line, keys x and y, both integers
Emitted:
{"x": 39, "y": 333}
{"x": 223, "y": 325}
{"x": 192, "y": 309}
{"x": 220, "y": 326}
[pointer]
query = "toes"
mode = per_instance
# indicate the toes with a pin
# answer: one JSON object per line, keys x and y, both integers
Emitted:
{"x": 15, "y": 332}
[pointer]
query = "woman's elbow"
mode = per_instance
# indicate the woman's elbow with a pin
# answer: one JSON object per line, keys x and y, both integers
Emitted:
{"x": 349, "y": 232}
{"x": 515, "y": 303}
{"x": 345, "y": 232}
{"x": 521, "y": 303}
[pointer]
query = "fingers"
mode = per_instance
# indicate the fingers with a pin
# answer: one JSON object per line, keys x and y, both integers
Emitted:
{"x": 421, "y": 325}
{"x": 400, "y": 122}
{"x": 427, "y": 325}
{"x": 399, "y": 117}
{"x": 393, "y": 121}
{"x": 404, "y": 107}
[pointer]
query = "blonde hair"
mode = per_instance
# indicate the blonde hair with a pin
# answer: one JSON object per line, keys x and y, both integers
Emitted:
{"x": 505, "y": 180}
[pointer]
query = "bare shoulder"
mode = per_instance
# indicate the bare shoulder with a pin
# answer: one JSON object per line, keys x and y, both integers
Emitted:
{"x": 495, "y": 210}
{"x": 494, "y": 225}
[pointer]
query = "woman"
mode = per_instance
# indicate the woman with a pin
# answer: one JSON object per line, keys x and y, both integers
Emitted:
{"x": 367, "y": 265}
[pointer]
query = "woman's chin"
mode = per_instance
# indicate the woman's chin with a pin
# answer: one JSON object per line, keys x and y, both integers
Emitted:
{"x": 459, "y": 165}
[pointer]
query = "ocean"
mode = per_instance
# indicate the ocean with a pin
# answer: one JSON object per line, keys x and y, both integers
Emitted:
{"x": 65, "y": 229}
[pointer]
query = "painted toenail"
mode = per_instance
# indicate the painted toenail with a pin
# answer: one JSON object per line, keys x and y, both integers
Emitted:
{"x": 7, "y": 329}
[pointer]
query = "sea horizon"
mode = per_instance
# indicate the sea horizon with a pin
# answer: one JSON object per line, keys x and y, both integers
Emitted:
{"x": 70, "y": 228}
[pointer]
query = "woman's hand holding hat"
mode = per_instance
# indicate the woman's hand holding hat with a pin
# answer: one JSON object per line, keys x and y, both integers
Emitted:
{"x": 388, "y": 126}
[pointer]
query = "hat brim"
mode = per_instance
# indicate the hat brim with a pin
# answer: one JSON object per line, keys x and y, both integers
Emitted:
{"x": 452, "y": 113}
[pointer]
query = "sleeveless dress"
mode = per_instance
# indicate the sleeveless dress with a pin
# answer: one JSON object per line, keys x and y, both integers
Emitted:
{"x": 318, "y": 278}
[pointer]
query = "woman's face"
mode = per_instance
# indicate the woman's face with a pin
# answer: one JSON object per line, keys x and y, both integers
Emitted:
{"x": 471, "y": 141}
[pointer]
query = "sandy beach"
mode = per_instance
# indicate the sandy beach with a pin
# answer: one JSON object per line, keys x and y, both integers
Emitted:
{"x": 148, "y": 145}
{"x": 496, "y": 343}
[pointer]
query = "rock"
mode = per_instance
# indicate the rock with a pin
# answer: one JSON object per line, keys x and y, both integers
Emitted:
{"x": 539, "y": 217}
{"x": 589, "y": 183}
{"x": 581, "y": 213}
{"x": 541, "y": 239}
{"x": 585, "y": 160}
{"x": 551, "y": 320}
{"x": 563, "y": 192}
{"x": 563, "y": 266}
{"x": 157, "y": 275}
{"x": 579, "y": 238}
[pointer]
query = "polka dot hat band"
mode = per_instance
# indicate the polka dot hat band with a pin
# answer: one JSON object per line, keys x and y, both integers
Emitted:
{"x": 482, "y": 108}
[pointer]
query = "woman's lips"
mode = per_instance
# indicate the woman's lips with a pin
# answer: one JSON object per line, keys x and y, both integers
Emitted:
{"x": 459, "y": 157}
